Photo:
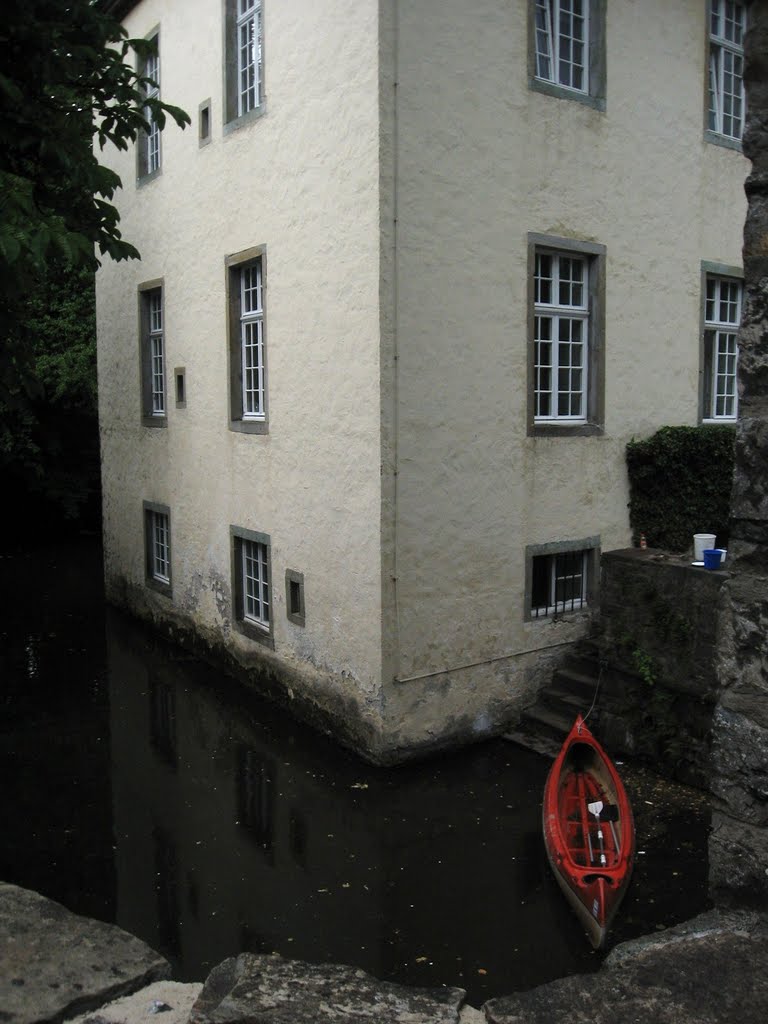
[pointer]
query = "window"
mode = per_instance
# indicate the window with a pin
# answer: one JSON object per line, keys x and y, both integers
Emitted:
{"x": 149, "y": 142}
{"x": 180, "y": 376}
{"x": 157, "y": 546}
{"x": 727, "y": 25}
{"x": 251, "y": 573}
{"x": 255, "y": 776}
{"x": 294, "y": 597}
{"x": 560, "y": 577}
{"x": 566, "y": 365}
{"x": 244, "y": 70}
{"x": 567, "y": 49}
{"x": 247, "y": 347}
{"x": 152, "y": 355}
{"x": 722, "y": 316}
{"x": 204, "y": 123}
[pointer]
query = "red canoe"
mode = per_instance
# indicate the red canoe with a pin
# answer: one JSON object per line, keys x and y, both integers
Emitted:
{"x": 588, "y": 831}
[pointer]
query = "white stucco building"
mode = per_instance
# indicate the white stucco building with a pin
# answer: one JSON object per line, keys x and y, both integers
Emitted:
{"x": 409, "y": 284}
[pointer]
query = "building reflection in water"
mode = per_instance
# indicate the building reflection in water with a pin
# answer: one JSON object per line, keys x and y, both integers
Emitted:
{"x": 237, "y": 829}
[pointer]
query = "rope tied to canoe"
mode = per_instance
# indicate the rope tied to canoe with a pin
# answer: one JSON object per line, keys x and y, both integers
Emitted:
{"x": 597, "y": 690}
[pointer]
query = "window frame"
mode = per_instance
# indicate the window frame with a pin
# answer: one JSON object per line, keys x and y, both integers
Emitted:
{"x": 254, "y": 628}
{"x": 148, "y": 338}
{"x": 590, "y": 548}
{"x": 594, "y": 95}
{"x": 233, "y": 19}
{"x": 720, "y": 45}
{"x": 148, "y": 167}
{"x": 162, "y": 583}
{"x": 717, "y": 272}
{"x": 239, "y": 418}
{"x": 594, "y": 256}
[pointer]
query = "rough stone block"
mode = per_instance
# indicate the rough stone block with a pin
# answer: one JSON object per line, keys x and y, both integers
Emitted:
{"x": 713, "y": 969}
{"x": 739, "y": 773}
{"x": 54, "y": 964}
{"x": 738, "y": 862}
{"x": 251, "y": 989}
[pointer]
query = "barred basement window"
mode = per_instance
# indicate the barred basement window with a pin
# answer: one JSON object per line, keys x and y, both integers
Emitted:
{"x": 559, "y": 583}
{"x": 722, "y": 316}
{"x": 561, "y": 577}
{"x": 727, "y": 25}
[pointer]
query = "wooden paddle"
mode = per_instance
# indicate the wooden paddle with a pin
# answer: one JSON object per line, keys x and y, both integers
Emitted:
{"x": 595, "y": 809}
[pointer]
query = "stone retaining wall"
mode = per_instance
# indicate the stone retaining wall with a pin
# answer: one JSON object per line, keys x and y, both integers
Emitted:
{"x": 658, "y": 637}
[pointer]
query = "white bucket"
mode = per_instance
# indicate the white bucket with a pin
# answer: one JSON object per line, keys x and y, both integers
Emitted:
{"x": 700, "y": 542}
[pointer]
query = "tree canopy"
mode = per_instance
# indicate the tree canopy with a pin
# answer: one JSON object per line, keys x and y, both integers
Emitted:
{"x": 68, "y": 87}
{"x": 71, "y": 83}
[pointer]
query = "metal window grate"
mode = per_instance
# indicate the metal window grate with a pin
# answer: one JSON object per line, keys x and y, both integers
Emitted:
{"x": 559, "y": 583}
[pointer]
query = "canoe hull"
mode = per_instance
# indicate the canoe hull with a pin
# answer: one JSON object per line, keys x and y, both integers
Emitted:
{"x": 588, "y": 831}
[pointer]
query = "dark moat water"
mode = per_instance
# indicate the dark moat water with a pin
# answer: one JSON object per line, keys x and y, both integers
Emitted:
{"x": 142, "y": 787}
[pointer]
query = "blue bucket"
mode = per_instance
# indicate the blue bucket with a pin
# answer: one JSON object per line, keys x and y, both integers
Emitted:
{"x": 712, "y": 558}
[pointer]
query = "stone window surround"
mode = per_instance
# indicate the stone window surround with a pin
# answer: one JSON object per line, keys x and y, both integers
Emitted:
{"x": 589, "y": 544}
{"x": 297, "y": 578}
{"x": 143, "y": 176}
{"x": 145, "y": 355}
{"x": 714, "y": 269}
{"x": 180, "y": 388}
{"x": 595, "y": 97}
{"x": 233, "y": 120}
{"x": 261, "y": 634}
{"x": 596, "y": 254}
{"x": 233, "y": 265}
{"x": 204, "y": 119}
{"x": 149, "y": 508}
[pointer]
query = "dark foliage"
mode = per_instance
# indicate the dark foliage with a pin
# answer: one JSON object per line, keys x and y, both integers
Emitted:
{"x": 680, "y": 484}
{"x": 68, "y": 88}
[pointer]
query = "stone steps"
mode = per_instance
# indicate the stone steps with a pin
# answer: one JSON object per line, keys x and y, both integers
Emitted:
{"x": 544, "y": 726}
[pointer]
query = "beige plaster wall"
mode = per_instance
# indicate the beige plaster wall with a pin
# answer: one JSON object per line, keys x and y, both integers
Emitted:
{"x": 302, "y": 180}
{"x": 481, "y": 161}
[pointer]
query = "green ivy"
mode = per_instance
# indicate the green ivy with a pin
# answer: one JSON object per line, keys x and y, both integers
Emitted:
{"x": 680, "y": 484}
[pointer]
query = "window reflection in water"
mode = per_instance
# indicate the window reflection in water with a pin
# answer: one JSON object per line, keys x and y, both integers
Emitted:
{"x": 166, "y": 873}
{"x": 162, "y": 699}
{"x": 256, "y": 798}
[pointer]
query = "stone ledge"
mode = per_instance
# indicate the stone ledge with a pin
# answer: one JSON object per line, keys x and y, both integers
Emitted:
{"x": 250, "y": 988}
{"x": 711, "y": 969}
{"x": 55, "y": 965}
